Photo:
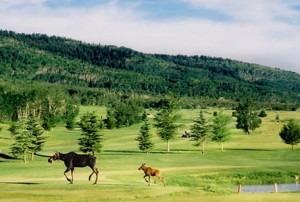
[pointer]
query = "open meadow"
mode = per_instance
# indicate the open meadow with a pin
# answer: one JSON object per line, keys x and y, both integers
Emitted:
{"x": 258, "y": 158}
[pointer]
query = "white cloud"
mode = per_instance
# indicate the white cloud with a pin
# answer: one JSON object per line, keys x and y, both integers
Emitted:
{"x": 254, "y": 35}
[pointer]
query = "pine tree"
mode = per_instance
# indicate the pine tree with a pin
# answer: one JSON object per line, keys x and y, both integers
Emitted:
{"x": 91, "y": 140}
{"x": 200, "y": 131}
{"x": 144, "y": 138}
{"x": 37, "y": 138}
{"x": 28, "y": 138}
{"x": 22, "y": 141}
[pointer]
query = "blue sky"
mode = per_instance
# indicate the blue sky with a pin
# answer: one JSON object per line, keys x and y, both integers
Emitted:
{"x": 151, "y": 9}
{"x": 266, "y": 32}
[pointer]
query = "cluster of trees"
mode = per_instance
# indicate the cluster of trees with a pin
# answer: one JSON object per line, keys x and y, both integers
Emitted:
{"x": 29, "y": 138}
{"x": 123, "y": 113}
{"x": 50, "y": 104}
{"x": 217, "y": 131}
{"x": 165, "y": 123}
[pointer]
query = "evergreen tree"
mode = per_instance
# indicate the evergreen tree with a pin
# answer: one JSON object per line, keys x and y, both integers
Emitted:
{"x": 200, "y": 131}
{"x": 144, "y": 138}
{"x": 165, "y": 122}
{"x": 70, "y": 115}
{"x": 290, "y": 133}
{"x": 247, "y": 119}
{"x": 220, "y": 130}
{"x": 91, "y": 140}
{"x": 28, "y": 138}
{"x": 22, "y": 140}
{"x": 37, "y": 138}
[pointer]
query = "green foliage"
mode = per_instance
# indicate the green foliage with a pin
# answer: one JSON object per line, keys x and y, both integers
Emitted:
{"x": 247, "y": 119}
{"x": 91, "y": 71}
{"x": 70, "y": 115}
{"x": 22, "y": 143}
{"x": 262, "y": 114}
{"x": 123, "y": 113}
{"x": 277, "y": 119}
{"x": 36, "y": 132}
{"x": 200, "y": 131}
{"x": 28, "y": 138}
{"x": 220, "y": 129}
{"x": 263, "y": 177}
{"x": 144, "y": 138}
{"x": 290, "y": 133}
{"x": 110, "y": 120}
{"x": 165, "y": 121}
{"x": 91, "y": 140}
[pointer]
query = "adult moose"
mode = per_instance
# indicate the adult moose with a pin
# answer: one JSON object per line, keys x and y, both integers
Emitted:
{"x": 151, "y": 172}
{"x": 73, "y": 160}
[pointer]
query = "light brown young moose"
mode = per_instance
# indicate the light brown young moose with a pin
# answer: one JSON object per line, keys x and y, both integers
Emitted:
{"x": 151, "y": 172}
{"x": 73, "y": 160}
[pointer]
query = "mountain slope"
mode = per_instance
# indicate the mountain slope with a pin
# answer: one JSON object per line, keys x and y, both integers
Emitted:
{"x": 59, "y": 60}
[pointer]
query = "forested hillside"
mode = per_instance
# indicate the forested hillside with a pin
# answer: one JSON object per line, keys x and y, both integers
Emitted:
{"x": 90, "y": 71}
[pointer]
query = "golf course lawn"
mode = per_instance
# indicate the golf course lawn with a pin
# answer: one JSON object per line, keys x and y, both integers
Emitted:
{"x": 258, "y": 158}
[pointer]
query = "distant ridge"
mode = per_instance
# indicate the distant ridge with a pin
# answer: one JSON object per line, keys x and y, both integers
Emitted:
{"x": 52, "y": 59}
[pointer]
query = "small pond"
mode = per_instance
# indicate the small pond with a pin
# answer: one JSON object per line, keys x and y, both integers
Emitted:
{"x": 270, "y": 188}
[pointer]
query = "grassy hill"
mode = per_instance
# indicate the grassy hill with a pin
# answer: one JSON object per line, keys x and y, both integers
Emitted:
{"x": 73, "y": 63}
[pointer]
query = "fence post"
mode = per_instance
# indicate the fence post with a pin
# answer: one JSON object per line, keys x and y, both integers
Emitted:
{"x": 239, "y": 188}
{"x": 275, "y": 187}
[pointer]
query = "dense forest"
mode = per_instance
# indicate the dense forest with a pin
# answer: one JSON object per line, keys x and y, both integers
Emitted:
{"x": 31, "y": 64}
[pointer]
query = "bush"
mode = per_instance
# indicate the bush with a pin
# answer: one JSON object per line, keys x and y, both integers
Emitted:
{"x": 262, "y": 114}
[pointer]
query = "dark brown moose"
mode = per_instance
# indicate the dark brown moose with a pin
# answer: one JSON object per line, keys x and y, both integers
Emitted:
{"x": 73, "y": 160}
{"x": 151, "y": 172}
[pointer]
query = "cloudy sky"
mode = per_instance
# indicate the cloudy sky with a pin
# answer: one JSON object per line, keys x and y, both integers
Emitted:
{"x": 266, "y": 32}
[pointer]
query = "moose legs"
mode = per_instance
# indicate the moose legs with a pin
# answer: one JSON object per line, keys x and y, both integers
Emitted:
{"x": 65, "y": 173}
{"x": 95, "y": 170}
{"x": 148, "y": 179}
{"x": 159, "y": 178}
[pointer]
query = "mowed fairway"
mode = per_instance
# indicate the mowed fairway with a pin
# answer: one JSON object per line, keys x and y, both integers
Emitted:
{"x": 214, "y": 176}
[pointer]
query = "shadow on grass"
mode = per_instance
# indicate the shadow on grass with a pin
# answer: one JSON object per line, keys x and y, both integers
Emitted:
{"x": 247, "y": 149}
{"x": 5, "y": 156}
{"x": 130, "y": 152}
{"x": 121, "y": 152}
{"x": 21, "y": 183}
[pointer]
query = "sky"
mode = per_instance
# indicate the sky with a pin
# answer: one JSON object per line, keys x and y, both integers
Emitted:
{"x": 265, "y": 32}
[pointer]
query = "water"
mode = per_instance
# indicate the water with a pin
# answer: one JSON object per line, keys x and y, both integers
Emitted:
{"x": 270, "y": 188}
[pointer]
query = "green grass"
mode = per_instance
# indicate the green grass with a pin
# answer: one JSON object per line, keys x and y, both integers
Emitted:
{"x": 258, "y": 158}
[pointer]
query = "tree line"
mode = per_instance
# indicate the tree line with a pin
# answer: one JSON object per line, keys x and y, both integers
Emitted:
{"x": 29, "y": 138}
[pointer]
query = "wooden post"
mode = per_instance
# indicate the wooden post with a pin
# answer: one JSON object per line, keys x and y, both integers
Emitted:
{"x": 239, "y": 188}
{"x": 275, "y": 188}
